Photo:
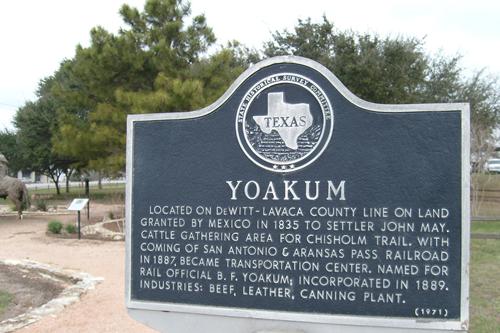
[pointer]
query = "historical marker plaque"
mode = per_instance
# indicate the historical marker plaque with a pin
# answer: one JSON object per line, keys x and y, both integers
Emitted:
{"x": 291, "y": 199}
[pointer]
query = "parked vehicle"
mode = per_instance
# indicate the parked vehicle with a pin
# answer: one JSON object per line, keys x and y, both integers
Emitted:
{"x": 493, "y": 165}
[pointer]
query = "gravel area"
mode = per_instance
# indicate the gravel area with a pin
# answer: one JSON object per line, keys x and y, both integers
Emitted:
{"x": 99, "y": 310}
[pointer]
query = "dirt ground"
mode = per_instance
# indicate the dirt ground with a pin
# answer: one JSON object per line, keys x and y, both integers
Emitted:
{"x": 99, "y": 310}
{"x": 28, "y": 289}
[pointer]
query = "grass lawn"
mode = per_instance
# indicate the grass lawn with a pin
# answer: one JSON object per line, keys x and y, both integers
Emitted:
{"x": 110, "y": 194}
{"x": 485, "y": 286}
{"x": 107, "y": 192}
{"x": 486, "y": 227}
{"x": 106, "y": 188}
{"x": 5, "y": 299}
{"x": 487, "y": 181}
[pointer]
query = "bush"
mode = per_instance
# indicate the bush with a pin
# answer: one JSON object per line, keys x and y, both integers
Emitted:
{"x": 70, "y": 228}
{"x": 111, "y": 215}
{"x": 5, "y": 300}
{"x": 41, "y": 205}
{"x": 55, "y": 227}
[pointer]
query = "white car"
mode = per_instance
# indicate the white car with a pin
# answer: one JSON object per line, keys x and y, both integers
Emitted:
{"x": 493, "y": 165}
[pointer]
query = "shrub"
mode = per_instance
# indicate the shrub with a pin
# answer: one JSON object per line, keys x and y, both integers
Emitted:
{"x": 111, "y": 215}
{"x": 5, "y": 299}
{"x": 70, "y": 228}
{"x": 14, "y": 208}
{"x": 41, "y": 205}
{"x": 55, "y": 227}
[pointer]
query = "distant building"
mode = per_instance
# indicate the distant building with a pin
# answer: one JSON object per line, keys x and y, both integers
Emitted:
{"x": 26, "y": 176}
{"x": 496, "y": 135}
{"x": 29, "y": 176}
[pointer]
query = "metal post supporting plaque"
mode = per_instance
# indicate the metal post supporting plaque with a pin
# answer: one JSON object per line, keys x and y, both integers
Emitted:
{"x": 87, "y": 194}
{"x": 79, "y": 229}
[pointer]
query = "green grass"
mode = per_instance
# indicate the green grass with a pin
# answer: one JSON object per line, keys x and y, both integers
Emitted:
{"x": 485, "y": 286}
{"x": 107, "y": 188}
{"x": 112, "y": 193}
{"x": 488, "y": 227}
{"x": 80, "y": 191}
{"x": 5, "y": 299}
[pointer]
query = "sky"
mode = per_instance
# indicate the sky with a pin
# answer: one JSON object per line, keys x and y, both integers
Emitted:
{"x": 35, "y": 36}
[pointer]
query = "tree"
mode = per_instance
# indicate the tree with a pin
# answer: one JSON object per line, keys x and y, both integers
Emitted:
{"x": 483, "y": 94}
{"x": 146, "y": 67}
{"x": 36, "y": 123}
{"x": 207, "y": 80}
{"x": 11, "y": 150}
{"x": 217, "y": 72}
{"x": 389, "y": 70}
{"x": 156, "y": 64}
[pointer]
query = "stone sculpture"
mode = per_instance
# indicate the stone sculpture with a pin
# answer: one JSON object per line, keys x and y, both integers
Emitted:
{"x": 13, "y": 188}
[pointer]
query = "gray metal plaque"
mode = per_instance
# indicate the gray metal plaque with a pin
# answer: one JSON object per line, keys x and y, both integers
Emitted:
{"x": 291, "y": 204}
{"x": 78, "y": 204}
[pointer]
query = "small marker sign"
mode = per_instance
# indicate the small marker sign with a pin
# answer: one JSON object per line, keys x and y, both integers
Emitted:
{"x": 77, "y": 205}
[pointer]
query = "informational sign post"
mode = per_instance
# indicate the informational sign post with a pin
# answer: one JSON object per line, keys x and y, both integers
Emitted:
{"x": 77, "y": 205}
{"x": 292, "y": 205}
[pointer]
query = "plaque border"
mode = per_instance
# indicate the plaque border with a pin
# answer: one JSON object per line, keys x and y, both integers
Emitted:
{"x": 218, "y": 312}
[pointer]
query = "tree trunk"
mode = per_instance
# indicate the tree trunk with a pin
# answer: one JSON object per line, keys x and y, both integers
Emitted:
{"x": 68, "y": 174}
{"x": 55, "y": 178}
{"x": 56, "y": 182}
{"x": 99, "y": 180}
{"x": 87, "y": 188}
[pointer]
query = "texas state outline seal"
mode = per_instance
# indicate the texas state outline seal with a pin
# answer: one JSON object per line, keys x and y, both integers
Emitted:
{"x": 284, "y": 122}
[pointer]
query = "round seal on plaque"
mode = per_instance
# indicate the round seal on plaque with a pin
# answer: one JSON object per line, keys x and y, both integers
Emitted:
{"x": 284, "y": 122}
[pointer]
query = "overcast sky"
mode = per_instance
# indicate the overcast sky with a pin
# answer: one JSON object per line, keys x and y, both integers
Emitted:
{"x": 35, "y": 36}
